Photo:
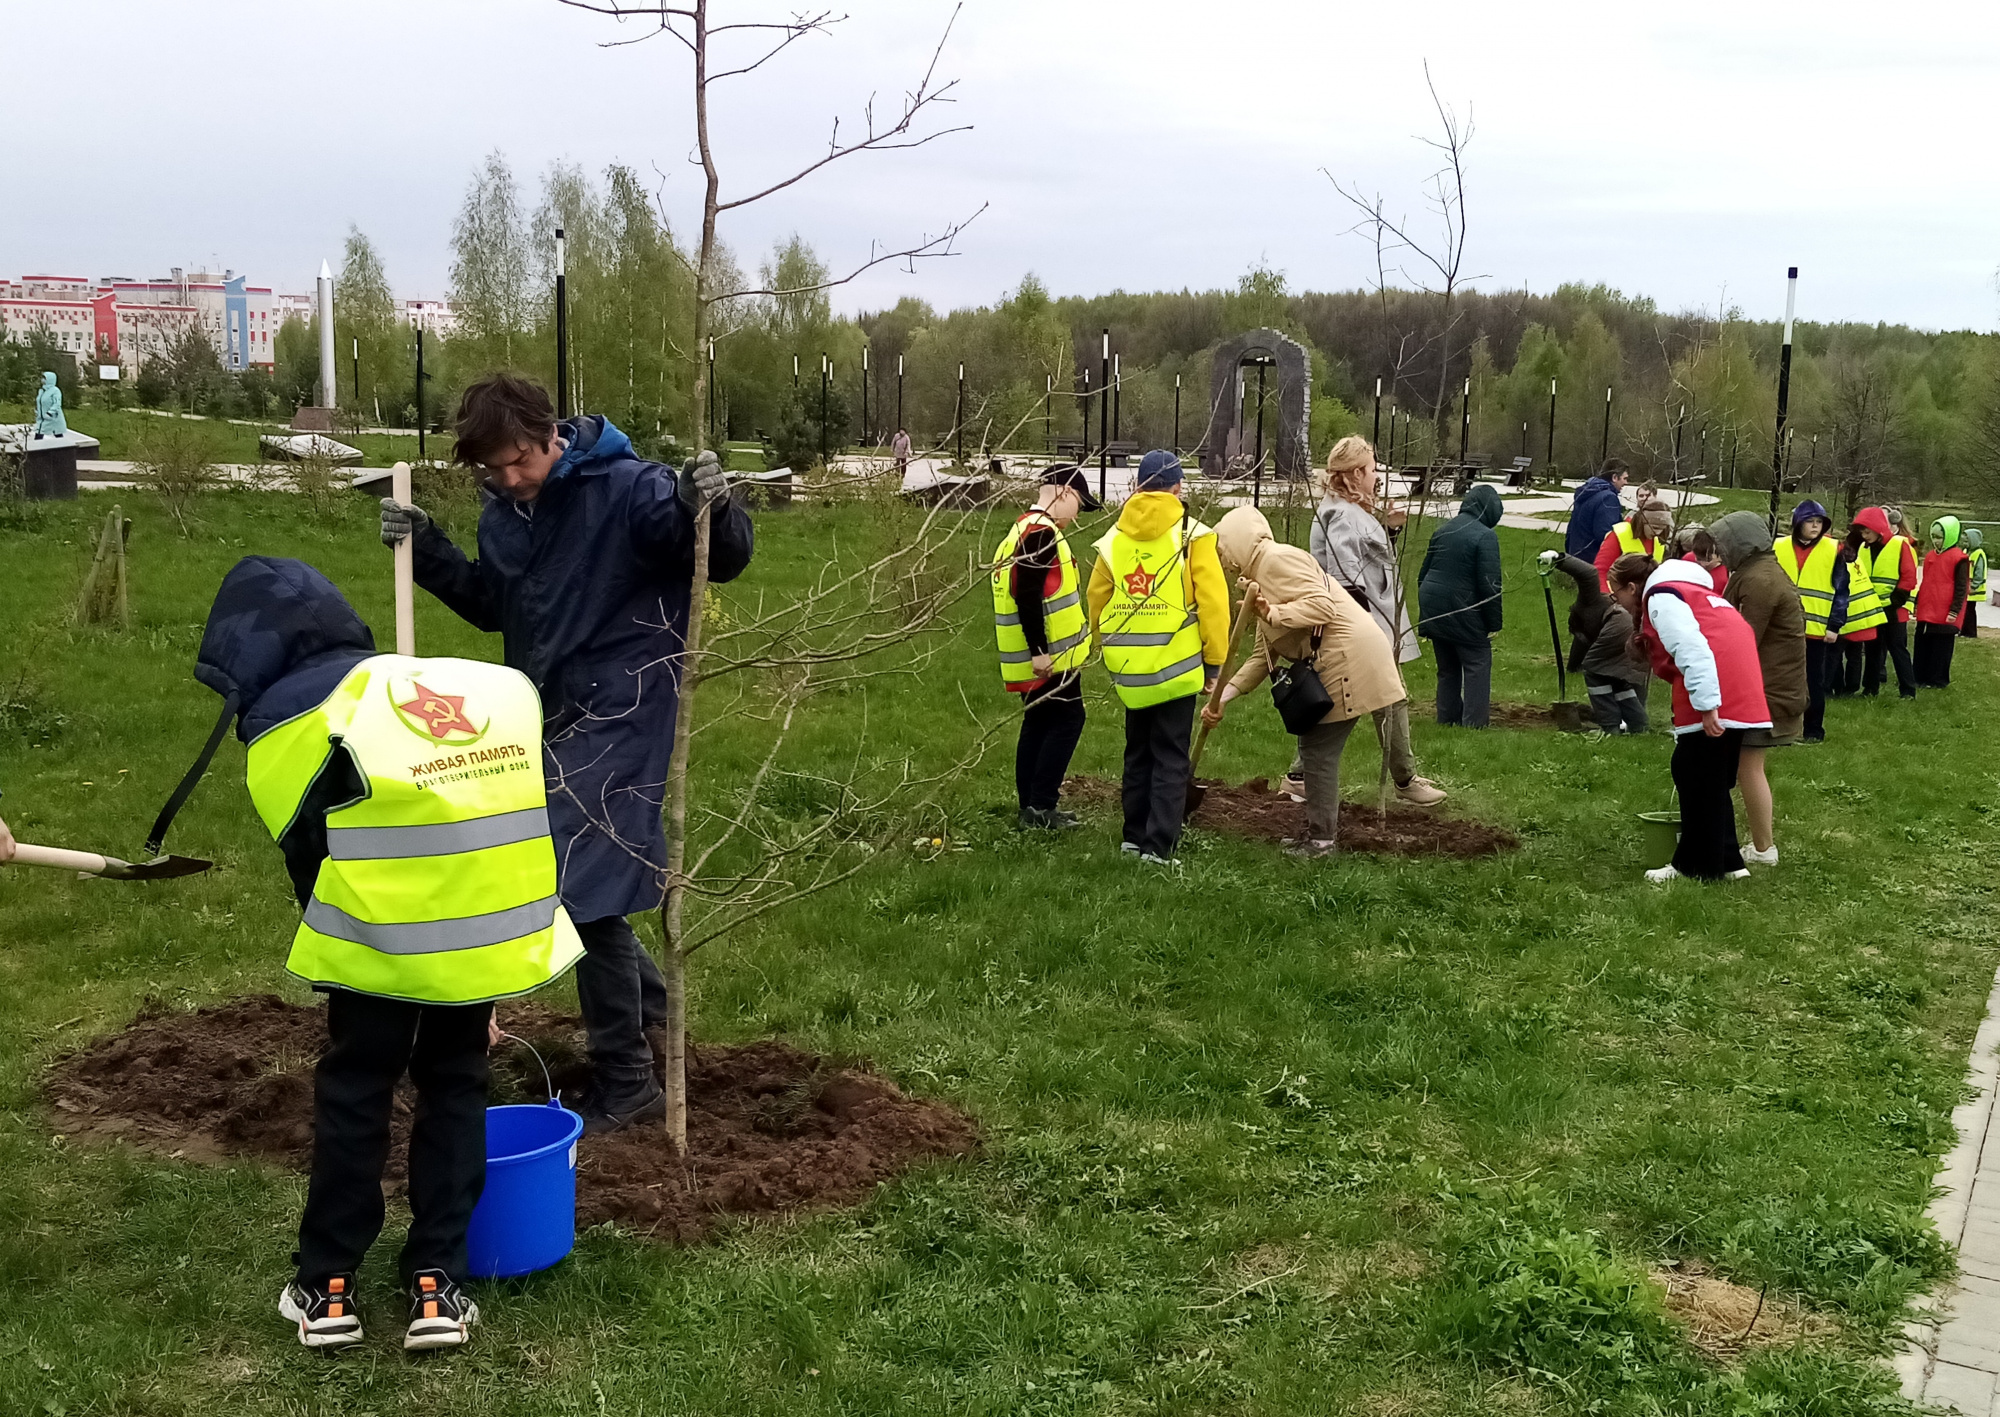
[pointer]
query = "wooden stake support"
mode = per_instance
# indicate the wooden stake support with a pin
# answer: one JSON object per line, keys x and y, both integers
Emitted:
{"x": 105, "y": 595}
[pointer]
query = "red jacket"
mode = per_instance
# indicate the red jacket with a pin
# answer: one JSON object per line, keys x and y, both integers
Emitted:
{"x": 1608, "y": 551}
{"x": 1711, "y": 663}
{"x": 1941, "y": 597}
{"x": 1718, "y": 573}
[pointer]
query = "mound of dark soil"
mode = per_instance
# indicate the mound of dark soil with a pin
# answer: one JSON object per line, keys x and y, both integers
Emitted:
{"x": 1256, "y": 812}
{"x": 771, "y": 1129}
{"x": 1506, "y": 715}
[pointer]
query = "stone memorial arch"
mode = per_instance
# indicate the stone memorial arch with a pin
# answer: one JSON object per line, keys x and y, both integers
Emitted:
{"x": 1225, "y": 434}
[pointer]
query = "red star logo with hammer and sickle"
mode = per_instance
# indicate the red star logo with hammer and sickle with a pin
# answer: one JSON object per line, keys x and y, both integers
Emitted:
{"x": 441, "y": 713}
{"x": 1139, "y": 583}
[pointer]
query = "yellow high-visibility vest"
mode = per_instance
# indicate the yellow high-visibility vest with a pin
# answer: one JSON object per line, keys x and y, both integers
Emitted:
{"x": 439, "y": 884}
{"x": 1976, "y": 590}
{"x": 1064, "y": 619}
{"x": 1885, "y": 568}
{"x": 1631, "y": 544}
{"x": 1150, "y": 631}
{"x": 1814, "y": 579}
{"x": 1865, "y": 609}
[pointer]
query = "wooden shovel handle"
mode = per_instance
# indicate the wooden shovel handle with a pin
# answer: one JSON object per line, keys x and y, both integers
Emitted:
{"x": 1243, "y": 616}
{"x": 58, "y": 859}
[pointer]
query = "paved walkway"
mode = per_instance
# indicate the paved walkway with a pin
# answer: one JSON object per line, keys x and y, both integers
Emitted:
{"x": 1954, "y": 1361}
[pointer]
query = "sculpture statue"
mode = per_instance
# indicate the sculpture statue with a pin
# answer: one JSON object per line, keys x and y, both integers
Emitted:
{"x": 49, "y": 422}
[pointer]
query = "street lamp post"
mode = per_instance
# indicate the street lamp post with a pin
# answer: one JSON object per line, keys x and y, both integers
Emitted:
{"x": 958, "y": 417}
{"x": 420, "y": 393}
{"x": 562, "y": 331}
{"x": 1177, "y": 413}
{"x": 1604, "y": 447}
{"x": 1103, "y": 413}
{"x": 1784, "y": 394}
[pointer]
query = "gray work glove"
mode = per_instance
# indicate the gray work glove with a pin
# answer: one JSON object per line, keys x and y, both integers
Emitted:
{"x": 399, "y": 520}
{"x": 702, "y": 480}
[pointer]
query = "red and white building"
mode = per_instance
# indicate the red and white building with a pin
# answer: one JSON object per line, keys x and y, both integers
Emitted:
{"x": 120, "y": 321}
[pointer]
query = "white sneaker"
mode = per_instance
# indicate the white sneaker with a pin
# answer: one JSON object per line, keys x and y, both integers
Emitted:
{"x": 1742, "y": 875}
{"x": 1663, "y": 875}
{"x": 325, "y": 1316}
{"x": 1752, "y": 856}
{"x": 1422, "y": 792}
{"x": 1128, "y": 848}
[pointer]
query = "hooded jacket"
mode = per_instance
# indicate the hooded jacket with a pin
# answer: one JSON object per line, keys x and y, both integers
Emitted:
{"x": 1769, "y": 603}
{"x": 1875, "y": 519}
{"x": 1458, "y": 585}
{"x": 588, "y": 586}
{"x": 1354, "y": 548}
{"x": 1354, "y": 663}
{"x": 1147, "y": 516}
{"x": 1947, "y": 578}
{"x": 1592, "y": 512}
{"x": 280, "y": 638}
{"x": 1600, "y": 632}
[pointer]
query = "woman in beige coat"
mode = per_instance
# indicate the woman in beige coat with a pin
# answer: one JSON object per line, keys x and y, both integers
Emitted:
{"x": 1295, "y": 600}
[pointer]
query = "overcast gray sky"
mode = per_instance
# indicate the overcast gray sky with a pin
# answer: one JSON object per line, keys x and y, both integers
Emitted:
{"x": 1688, "y": 152}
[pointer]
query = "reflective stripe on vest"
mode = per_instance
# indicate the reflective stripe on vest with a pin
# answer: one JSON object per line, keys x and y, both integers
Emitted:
{"x": 1629, "y": 544}
{"x": 1150, "y": 630}
{"x": 1814, "y": 579}
{"x": 439, "y": 884}
{"x": 1890, "y": 554}
{"x": 1064, "y": 620}
{"x": 1864, "y": 607}
{"x": 1978, "y": 585}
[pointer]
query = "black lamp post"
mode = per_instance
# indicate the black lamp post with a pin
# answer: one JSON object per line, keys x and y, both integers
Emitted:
{"x": 420, "y": 392}
{"x": 1604, "y": 447}
{"x": 1552, "y": 428}
{"x": 562, "y": 329}
{"x": 1103, "y": 413}
{"x": 1784, "y": 394}
{"x": 899, "y": 393}
{"x": 1177, "y": 413}
{"x": 1465, "y": 422}
{"x": 1378, "y": 413}
{"x": 825, "y": 372}
{"x": 958, "y": 417}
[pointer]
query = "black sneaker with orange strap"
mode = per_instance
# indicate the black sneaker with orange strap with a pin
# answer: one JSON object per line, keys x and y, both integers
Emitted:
{"x": 441, "y": 1313}
{"x": 324, "y": 1313}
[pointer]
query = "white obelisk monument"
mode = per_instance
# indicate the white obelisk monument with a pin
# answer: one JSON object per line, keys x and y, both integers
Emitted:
{"x": 328, "y": 398}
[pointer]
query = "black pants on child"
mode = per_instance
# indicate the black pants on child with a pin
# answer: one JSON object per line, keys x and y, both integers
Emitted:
{"x": 1157, "y": 772}
{"x": 1704, "y": 771}
{"x": 622, "y": 993}
{"x": 1892, "y": 639}
{"x": 1051, "y": 724}
{"x": 1932, "y": 660}
{"x": 1465, "y": 682}
{"x": 1819, "y": 669}
{"x": 371, "y": 1041}
{"x": 1843, "y": 681}
{"x": 1970, "y": 629}
{"x": 1616, "y": 705}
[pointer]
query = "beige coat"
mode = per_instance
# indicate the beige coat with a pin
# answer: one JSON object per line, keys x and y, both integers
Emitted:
{"x": 1355, "y": 661}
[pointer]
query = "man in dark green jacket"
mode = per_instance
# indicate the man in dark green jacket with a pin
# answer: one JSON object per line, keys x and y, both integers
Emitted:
{"x": 1458, "y": 606}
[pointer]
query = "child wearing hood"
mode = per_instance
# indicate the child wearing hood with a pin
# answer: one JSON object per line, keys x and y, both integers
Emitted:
{"x": 1811, "y": 562}
{"x": 1974, "y": 542}
{"x": 1458, "y": 607}
{"x": 1700, "y": 644}
{"x": 1942, "y": 596}
{"x": 1879, "y": 547}
{"x": 1770, "y": 604}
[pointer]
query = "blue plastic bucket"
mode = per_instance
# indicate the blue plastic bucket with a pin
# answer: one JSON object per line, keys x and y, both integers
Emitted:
{"x": 526, "y": 1217}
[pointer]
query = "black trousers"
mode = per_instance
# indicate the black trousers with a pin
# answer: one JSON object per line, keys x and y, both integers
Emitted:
{"x": 1704, "y": 771}
{"x": 1893, "y": 640}
{"x": 622, "y": 993}
{"x": 1465, "y": 682}
{"x": 1157, "y": 772}
{"x": 1932, "y": 658}
{"x": 1970, "y": 629}
{"x": 371, "y": 1041}
{"x": 1819, "y": 669}
{"x": 1051, "y": 723}
{"x": 1844, "y": 679}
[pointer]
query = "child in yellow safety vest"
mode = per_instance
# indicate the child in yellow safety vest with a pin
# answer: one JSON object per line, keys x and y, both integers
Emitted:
{"x": 407, "y": 797}
{"x": 1044, "y": 640}
{"x": 1974, "y": 542}
{"x": 1160, "y": 609}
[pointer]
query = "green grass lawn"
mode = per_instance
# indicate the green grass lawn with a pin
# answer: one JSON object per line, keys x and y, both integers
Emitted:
{"x": 1263, "y": 1137}
{"x": 121, "y": 432}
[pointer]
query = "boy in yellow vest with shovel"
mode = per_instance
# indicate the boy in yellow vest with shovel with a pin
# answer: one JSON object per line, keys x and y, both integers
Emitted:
{"x": 407, "y": 797}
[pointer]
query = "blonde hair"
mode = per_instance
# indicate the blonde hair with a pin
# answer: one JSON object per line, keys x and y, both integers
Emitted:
{"x": 1350, "y": 470}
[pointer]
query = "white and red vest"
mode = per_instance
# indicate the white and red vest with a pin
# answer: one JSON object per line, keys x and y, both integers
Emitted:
{"x": 1731, "y": 641}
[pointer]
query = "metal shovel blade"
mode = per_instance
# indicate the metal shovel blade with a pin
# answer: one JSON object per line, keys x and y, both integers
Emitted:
{"x": 160, "y": 868}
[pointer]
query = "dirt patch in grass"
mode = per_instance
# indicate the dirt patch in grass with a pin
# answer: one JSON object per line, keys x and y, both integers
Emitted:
{"x": 1254, "y": 811}
{"x": 1724, "y": 1318}
{"x": 771, "y": 1129}
{"x": 1509, "y": 715}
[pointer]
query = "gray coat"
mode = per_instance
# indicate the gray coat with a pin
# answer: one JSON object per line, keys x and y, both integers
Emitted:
{"x": 1355, "y": 549}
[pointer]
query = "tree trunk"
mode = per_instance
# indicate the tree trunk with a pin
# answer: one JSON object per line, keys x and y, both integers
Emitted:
{"x": 673, "y": 912}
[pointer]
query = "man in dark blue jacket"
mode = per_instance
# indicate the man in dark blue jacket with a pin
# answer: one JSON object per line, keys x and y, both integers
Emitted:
{"x": 1595, "y": 510}
{"x": 586, "y": 554}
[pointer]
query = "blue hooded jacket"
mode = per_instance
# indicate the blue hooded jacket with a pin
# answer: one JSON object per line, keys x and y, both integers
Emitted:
{"x": 588, "y": 587}
{"x": 1592, "y": 512}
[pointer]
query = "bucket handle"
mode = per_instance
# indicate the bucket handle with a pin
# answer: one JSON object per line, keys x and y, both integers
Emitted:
{"x": 548, "y": 1086}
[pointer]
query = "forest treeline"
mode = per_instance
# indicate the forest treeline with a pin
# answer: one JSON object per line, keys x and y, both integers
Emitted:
{"x": 1876, "y": 410}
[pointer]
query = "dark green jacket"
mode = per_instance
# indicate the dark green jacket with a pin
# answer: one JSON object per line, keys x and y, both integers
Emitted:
{"x": 1458, "y": 586}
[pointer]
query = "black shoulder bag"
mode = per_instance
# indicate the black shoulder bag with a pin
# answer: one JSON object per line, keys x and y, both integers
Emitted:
{"x": 1296, "y": 689}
